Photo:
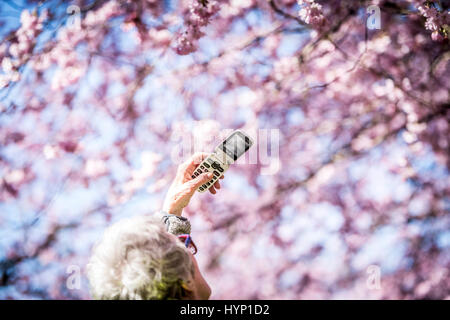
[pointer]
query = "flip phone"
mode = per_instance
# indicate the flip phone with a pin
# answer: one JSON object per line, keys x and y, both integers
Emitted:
{"x": 225, "y": 154}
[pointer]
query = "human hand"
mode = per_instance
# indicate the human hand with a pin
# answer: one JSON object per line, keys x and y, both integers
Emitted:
{"x": 184, "y": 187}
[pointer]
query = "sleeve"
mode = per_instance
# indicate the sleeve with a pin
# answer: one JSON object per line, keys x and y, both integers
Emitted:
{"x": 175, "y": 224}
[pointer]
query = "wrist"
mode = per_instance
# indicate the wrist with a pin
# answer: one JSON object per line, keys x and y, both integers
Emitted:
{"x": 176, "y": 212}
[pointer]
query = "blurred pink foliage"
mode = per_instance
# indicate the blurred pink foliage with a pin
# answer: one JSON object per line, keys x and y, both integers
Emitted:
{"x": 91, "y": 116}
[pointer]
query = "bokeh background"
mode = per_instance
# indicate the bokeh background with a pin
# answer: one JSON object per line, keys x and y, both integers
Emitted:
{"x": 98, "y": 100}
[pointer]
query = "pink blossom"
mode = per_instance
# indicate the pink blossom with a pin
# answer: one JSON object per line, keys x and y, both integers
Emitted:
{"x": 160, "y": 37}
{"x": 311, "y": 13}
{"x": 198, "y": 15}
{"x": 435, "y": 20}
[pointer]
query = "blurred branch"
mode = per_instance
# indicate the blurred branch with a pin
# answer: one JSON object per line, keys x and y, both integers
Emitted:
{"x": 275, "y": 8}
{"x": 8, "y": 265}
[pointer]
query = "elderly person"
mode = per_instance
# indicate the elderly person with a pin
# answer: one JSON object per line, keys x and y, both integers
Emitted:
{"x": 152, "y": 257}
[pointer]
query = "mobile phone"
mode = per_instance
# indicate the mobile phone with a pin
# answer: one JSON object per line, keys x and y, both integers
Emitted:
{"x": 225, "y": 154}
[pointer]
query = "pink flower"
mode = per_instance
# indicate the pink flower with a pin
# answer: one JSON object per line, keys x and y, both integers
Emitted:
{"x": 198, "y": 16}
{"x": 311, "y": 13}
{"x": 22, "y": 47}
{"x": 28, "y": 20}
{"x": 160, "y": 37}
{"x": 436, "y": 36}
{"x": 435, "y": 20}
{"x": 186, "y": 44}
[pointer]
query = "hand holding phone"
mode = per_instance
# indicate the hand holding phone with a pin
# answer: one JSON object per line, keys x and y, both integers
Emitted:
{"x": 202, "y": 171}
{"x": 225, "y": 154}
{"x": 183, "y": 187}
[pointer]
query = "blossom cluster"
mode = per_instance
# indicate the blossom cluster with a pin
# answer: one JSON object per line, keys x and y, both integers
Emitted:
{"x": 63, "y": 54}
{"x": 311, "y": 13}
{"x": 435, "y": 21}
{"x": 198, "y": 16}
{"x": 22, "y": 45}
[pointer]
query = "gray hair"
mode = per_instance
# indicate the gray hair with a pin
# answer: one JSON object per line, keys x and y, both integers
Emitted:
{"x": 138, "y": 259}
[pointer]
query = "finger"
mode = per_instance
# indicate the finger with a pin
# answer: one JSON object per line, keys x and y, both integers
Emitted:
{"x": 187, "y": 168}
{"x": 198, "y": 157}
{"x": 222, "y": 176}
{"x": 212, "y": 190}
{"x": 217, "y": 185}
{"x": 198, "y": 181}
{"x": 192, "y": 163}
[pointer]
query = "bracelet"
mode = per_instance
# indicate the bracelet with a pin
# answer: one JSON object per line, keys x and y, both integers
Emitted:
{"x": 174, "y": 224}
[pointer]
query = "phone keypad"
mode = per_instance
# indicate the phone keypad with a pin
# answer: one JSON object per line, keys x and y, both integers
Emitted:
{"x": 208, "y": 165}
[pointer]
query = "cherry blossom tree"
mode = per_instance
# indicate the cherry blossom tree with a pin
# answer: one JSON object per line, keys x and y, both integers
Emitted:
{"x": 98, "y": 99}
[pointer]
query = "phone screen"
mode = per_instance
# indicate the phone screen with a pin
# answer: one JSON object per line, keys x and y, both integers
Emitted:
{"x": 236, "y": 145}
